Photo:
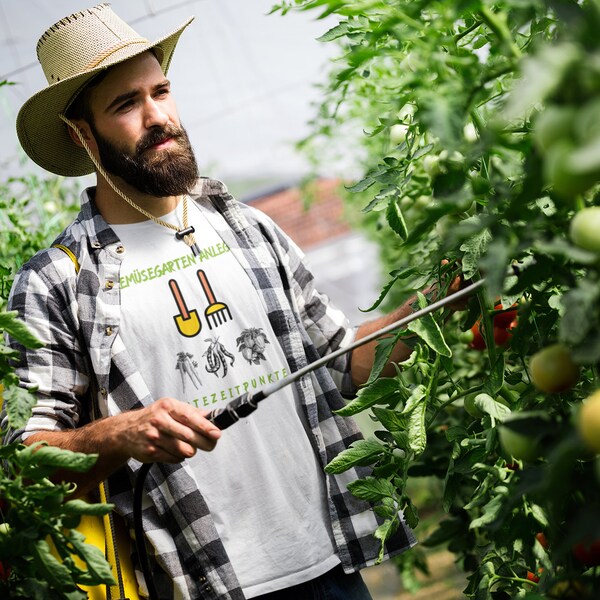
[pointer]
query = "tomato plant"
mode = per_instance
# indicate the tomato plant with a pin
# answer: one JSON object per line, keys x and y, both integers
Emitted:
{"x": 501, "y": 103}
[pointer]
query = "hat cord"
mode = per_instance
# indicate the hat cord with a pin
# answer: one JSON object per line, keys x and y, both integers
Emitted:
{"x": 186, "y": 232}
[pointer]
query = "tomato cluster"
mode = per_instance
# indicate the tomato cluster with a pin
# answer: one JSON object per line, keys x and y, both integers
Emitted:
{"x": 504, "y": 322}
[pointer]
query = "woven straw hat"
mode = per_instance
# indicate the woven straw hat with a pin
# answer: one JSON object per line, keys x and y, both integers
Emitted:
{"x": 71, "y": 52}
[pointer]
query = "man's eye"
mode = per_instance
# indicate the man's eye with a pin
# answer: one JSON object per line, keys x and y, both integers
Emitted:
{"x": 125, "y": 106}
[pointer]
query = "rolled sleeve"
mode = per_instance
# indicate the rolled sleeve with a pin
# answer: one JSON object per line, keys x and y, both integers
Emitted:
{"x": 56, "y": 372}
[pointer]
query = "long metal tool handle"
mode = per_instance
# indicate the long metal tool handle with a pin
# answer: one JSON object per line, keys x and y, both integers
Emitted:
{"x": 247, "y": 403}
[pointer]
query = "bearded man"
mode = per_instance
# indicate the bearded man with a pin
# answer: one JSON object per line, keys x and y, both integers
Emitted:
{"x": 126, "y": 290}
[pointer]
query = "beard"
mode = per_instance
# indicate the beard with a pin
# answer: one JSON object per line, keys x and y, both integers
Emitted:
{"x": 172, "y": 171}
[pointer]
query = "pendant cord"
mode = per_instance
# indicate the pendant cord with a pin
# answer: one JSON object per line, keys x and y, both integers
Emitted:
{"x": 188, "y": 237}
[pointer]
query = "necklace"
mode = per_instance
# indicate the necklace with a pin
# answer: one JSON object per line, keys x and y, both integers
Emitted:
{"x": 185, "y": 233}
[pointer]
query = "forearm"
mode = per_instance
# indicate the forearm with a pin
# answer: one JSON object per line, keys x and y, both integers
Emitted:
{"x": 102, "y": 437}
{"x": 166, "y": 431}
{"x": 363, "y": 356}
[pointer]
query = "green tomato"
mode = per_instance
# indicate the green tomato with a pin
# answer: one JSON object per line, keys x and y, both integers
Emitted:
{"x": 552, "y": 369}
{"x": 553, "y": 125}
{"x": 584, "y": 229}
{"x": 588, "y": 422}
{"x": 471, "y": 408}
{"x": 559, "y": 172}
{"x": 398, "y": 133}
{"x": 518, "y": 446}
{"x": 431, "y": 164}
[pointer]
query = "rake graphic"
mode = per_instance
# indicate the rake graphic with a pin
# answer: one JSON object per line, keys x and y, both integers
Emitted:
{"x": 216, "y": 313}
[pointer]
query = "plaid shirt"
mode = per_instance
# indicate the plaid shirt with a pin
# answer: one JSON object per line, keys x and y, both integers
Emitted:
{"x": 77, "y": 316}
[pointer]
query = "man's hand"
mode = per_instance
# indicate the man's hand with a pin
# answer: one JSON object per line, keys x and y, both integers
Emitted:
{"x": 166, "y": 431}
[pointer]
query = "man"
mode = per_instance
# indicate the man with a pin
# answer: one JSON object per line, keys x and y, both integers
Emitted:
{"x": 184, "y": 300}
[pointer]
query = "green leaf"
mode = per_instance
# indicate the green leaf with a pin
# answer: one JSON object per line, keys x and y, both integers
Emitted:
{"x": 360, "y": 453}
{"x": 372, "y": 489}
{"x": 335, "y": 32}
{"x": 495, "y": 379}
{"x": 428, "y": 330}
{"x": 362, "y": 185}
{"x": 473, "y": 248}
{"x": 417, "y": 434}
{"x": 415, "y": 399}
{"x": 19, "y": 403}
{"x": 490, "y": 512}
{"x": 396, "y": 220}
{"x": 490, "y": 406}
{"x": 81, "y": 507}
{"x": 579, "y": 303}
{"x": 390, "y": 419}
{"x": 54, "y": 571}
{"x": 383, "y": 533}
{"x": 36, "y": 456}
{"x": 378, "y": 392}
{"x": 98, "y": 569}
{"x": 10, "y": 323}
{"x": 383, "y": 351}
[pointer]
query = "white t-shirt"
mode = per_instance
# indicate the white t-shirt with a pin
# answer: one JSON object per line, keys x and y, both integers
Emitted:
{"x": 198, "y": 331}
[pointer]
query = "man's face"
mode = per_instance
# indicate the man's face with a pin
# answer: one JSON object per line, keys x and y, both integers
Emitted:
{"x": 138, "y": 135}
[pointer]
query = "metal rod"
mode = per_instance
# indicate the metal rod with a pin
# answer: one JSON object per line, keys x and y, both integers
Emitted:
{"x": 246, "y": 404}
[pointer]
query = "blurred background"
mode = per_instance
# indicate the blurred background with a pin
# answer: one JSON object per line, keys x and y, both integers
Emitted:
{"x": 245, "y": 83}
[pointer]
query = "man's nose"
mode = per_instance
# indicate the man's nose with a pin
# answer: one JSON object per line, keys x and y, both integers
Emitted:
{"x": 155, "y": 116}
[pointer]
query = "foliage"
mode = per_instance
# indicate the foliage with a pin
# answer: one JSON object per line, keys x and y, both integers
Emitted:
{"x": 42, "y": 555}
{"x": 481, "y": 142}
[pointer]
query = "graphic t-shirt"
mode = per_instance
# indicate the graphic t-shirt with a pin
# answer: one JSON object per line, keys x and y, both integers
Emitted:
{"x": 198, "y": 332}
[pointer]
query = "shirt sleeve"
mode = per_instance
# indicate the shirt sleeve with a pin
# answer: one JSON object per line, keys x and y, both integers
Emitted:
{"x": 327, "y": 326}
{"x": 56, "y": 372}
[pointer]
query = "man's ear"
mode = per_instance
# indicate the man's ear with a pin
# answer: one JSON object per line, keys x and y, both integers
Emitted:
{"x": 84, "y": 130}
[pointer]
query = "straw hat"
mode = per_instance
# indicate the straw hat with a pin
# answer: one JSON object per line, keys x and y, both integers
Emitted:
{"x": 71, "y": 52}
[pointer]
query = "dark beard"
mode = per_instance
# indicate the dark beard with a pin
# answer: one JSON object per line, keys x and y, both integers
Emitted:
{"x": 169, "y": 172}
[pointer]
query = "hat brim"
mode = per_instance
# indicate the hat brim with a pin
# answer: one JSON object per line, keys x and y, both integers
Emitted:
{"x": 44, "y": 135}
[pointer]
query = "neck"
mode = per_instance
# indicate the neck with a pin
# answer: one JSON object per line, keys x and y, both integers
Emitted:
{"x": 116, "y": 210}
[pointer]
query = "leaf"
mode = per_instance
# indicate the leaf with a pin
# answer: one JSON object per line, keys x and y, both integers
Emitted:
{"x": 335, "y": 32}
{"x": 473, "y": 248}
{"x": 98, "y": 569}
{"x": 51, "y": 569}
{"x": 495, "y": 263}
{"x": 36, "y": 456}
{"x": 360, "y": 453}
{"x": 417, "y": 435}
{"x": 390, "y": 419}
{"x": 414, "y": 399}
{"x": 428, "y": 330}
{"x": 492, "y": 407}
{"x": 579, "y": 304}
{"x": 19, "y": 403}
{"x": 383, "y": 533}
{"x": 396, "y": 220}
{"x": 372, "y": 489}
{"x": 442, "y": 116}
{"x": 81, "y": 507}
{"x": 18, "y": 330}
{"x": 490, "y": 512}
{"x": 383, "y": 351}
{"x": 362, "y": 185}
{"x": 495, "y": 379}
{"x": 378, "y": 392}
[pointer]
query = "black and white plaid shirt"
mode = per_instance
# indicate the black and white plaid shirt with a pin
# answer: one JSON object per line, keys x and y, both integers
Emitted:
{"x": 77, "y": 316}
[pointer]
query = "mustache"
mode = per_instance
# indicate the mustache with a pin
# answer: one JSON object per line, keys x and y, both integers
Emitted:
{"x": 158, "y": 135}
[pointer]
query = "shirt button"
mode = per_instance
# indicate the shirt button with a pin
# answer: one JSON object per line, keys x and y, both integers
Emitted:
{"x": 103, "y": 392}
{"x": 110, "y": 284}
{"x": 120, "y": 249}
{"x": 108, "y": 330}
{"x": 95, "y": 244}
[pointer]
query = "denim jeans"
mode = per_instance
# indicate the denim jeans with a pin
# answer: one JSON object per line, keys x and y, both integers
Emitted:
{"x": 333, "y": 585}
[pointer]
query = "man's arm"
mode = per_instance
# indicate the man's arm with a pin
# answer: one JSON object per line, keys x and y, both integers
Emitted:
{"x": 167, "y": 431}
{"x": 363, "y": 356}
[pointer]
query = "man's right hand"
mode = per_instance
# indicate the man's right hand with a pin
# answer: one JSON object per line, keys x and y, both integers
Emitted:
{"x": 166, "y": 431}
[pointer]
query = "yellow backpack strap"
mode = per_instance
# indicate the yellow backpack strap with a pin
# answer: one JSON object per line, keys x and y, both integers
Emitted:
{"x": 70, "y": 254}
{"x": 126, "y": 588}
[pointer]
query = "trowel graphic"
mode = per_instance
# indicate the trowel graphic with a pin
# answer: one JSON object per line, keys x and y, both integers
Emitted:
{"x": 187, "y": 321}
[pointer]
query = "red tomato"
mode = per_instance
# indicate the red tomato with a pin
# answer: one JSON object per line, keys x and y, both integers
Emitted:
{"x": 4, "y": 571}
{"x": 587, "y": 553}
{"x": 505, "y": 320}
{"x": 501, "y": 336}
{"x": 541, "y": 538}
{"x": 478, "y": 342}
{"x": 532, "y": 577}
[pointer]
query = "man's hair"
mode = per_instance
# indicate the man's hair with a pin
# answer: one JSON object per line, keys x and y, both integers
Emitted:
{"x": 80, "y": 107}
